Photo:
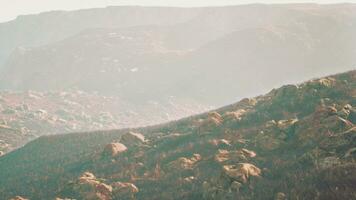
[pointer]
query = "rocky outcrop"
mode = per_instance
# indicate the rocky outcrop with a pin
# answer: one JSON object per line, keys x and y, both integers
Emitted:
{"x": 91, "y": 188}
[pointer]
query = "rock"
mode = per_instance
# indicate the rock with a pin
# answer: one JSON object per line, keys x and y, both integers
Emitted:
{"x": 241, "y": 172}
{"x": 213, "y": 121}
{"x": 271, "y": 123}
{"x": 89, "y": 187}
{"x": 235, "y": 186}
{"x": 132, "y": 139}
{"x": 114, "y": 149}
{"x": 323, "y": 82}
{"x": 284, "y": 125}
{"x": 249, "y": 153}
{"x": 234, "y": 116}
{"x": 246, "y": 102}
{"x": 124, "y": 190}
{"x": 280, "y": 196}
{"x": 233, "y": 156}
{"x": 345, "y": 111}
{"x": 183, "y": 163}
{"x": 222, "y": 143}
{"x": 222, "y": 156}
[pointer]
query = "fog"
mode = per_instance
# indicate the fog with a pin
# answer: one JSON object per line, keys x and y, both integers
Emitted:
{"x": 10, "y": 9}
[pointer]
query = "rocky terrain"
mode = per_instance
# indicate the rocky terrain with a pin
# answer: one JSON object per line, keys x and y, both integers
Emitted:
{"x": 133, "y": 66}
{"x": 295, "y": 142}
{"x": 28, "y": 115}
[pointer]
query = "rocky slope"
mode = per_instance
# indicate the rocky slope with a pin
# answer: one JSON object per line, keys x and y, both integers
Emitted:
{"x": 181, "y": 52}
{"x": 296, "y": 142}
{"x": 28, "y": 115}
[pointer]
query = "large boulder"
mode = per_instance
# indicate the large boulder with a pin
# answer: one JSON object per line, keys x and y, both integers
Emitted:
{"x": 132, "y": 139}
{"x": 113, "y": 149}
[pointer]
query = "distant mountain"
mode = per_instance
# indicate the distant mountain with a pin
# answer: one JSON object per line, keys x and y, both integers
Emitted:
{"x": 296, "y": 142}
{"x": 183, "y": 52}
{"x": 45, "y": 28}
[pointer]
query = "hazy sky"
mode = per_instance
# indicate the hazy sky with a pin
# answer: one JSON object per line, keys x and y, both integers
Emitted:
{"x": 9, "y": 9}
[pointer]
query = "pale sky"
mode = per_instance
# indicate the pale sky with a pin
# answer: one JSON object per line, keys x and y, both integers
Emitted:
{"x": 10, "y": 9}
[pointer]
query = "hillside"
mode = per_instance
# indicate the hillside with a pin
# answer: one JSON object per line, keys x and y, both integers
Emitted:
{"x": 295, "y": 142}
{"x": 180, "y": 52}
{"x": 28, "y": 115}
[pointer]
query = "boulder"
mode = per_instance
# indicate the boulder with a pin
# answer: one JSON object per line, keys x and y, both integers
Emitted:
{"x": 183, "y": 163}
{"x": 233, "y": 156}
{"x": 90, "y": 188}
{"x": 113, "y": 149}
{"x": 280, "y": 196}
{"x": 124, "y": 190}
{"x": 284, "y": 125}
{"x": 234, "y": 116}
{"x": 132, "y": 139}
{"x": 213, "y": 121}
{"x": 241, "y": 172}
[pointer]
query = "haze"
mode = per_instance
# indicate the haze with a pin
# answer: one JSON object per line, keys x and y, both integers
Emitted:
{"x": 10, "y": 9}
